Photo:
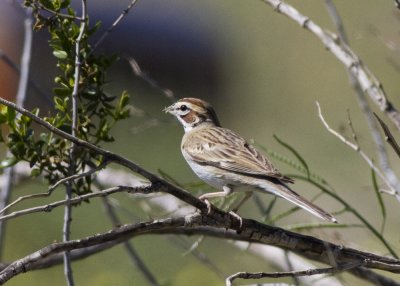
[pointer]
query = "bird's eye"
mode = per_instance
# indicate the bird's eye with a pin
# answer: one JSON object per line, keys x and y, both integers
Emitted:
{"x": 183, "y": 108}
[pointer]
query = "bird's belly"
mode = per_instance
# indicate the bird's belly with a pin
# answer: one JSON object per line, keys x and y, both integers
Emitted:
{"x": 210, "y": 175}
{"x": 213, "y": 176}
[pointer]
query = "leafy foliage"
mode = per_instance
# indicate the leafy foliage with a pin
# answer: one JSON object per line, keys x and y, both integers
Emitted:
{"x": 97, "y": 111}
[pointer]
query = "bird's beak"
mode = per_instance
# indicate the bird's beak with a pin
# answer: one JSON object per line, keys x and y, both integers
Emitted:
{"x": 169, "y": 109}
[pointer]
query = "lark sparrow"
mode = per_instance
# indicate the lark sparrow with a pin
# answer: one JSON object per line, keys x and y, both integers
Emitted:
{"x": 226, "y": 161}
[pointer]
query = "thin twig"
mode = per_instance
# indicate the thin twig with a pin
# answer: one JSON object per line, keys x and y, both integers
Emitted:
{"x": 309, "y": 272}
{"x": 356, "y": 148}
{"x": 113, "y": 25}
{"x": 77, "y": 176}
{"x": 39, "y": 5}
{"x": 78, "y": 199}
{"x": 54, "y": 186}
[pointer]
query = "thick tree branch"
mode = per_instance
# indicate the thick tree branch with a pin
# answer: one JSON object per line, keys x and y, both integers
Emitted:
{"x": 210, "y": 225}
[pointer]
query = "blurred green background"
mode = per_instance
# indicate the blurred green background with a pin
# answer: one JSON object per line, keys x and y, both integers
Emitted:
{"x": 262, "y": 73}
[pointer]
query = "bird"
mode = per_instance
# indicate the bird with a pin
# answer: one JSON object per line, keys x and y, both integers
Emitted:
{"x": 227, "y": 162}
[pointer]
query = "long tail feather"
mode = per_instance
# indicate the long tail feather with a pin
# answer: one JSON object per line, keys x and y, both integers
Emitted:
{"x": 285, "y": 192}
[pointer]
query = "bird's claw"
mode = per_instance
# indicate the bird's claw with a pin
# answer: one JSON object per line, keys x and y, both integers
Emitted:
{"x": 238, "y": 217}
{"x": 207, "y": 202}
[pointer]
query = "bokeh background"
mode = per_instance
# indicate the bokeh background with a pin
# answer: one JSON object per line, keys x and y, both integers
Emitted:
{"x": 262, "y": 73}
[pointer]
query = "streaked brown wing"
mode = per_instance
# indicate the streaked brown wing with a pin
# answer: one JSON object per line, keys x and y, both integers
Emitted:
{"x": 224, "y": 149}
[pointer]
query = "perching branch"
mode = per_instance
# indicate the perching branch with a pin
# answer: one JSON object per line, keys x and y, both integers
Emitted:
{"x": 212, "y": 225}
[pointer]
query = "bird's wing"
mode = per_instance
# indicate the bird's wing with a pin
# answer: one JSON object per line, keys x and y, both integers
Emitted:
{"x": 222, "y": 148}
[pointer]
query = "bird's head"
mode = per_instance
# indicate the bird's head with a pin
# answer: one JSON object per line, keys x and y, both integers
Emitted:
{"x": 193, "y": 112}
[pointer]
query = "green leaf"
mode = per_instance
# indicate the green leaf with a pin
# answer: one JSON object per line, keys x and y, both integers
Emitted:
{"x": 8, "y": 162}
{"x": 60, "y": 54}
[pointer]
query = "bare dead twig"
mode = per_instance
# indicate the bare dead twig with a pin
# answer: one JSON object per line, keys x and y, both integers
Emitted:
{"x": 309, "y": 272}
{"x": 114, "y": 24}
{"x": 356, "y": 148}
{"x": 53, "y": 187}
{"x": 78, "y": 199}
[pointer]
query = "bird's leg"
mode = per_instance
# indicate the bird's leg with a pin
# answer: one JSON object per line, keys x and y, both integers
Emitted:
{"x": 226, "y": 191}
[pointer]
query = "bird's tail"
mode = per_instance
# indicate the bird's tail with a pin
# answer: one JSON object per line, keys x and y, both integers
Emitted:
{"x": 285, "y": 192}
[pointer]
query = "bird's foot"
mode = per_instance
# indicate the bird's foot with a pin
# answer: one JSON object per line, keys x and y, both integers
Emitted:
{"x": 238, "y": 217}
{"x": 207, "y": 202}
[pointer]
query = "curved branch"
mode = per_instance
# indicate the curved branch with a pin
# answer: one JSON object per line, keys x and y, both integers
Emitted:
{"x": 253, "y": 231}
